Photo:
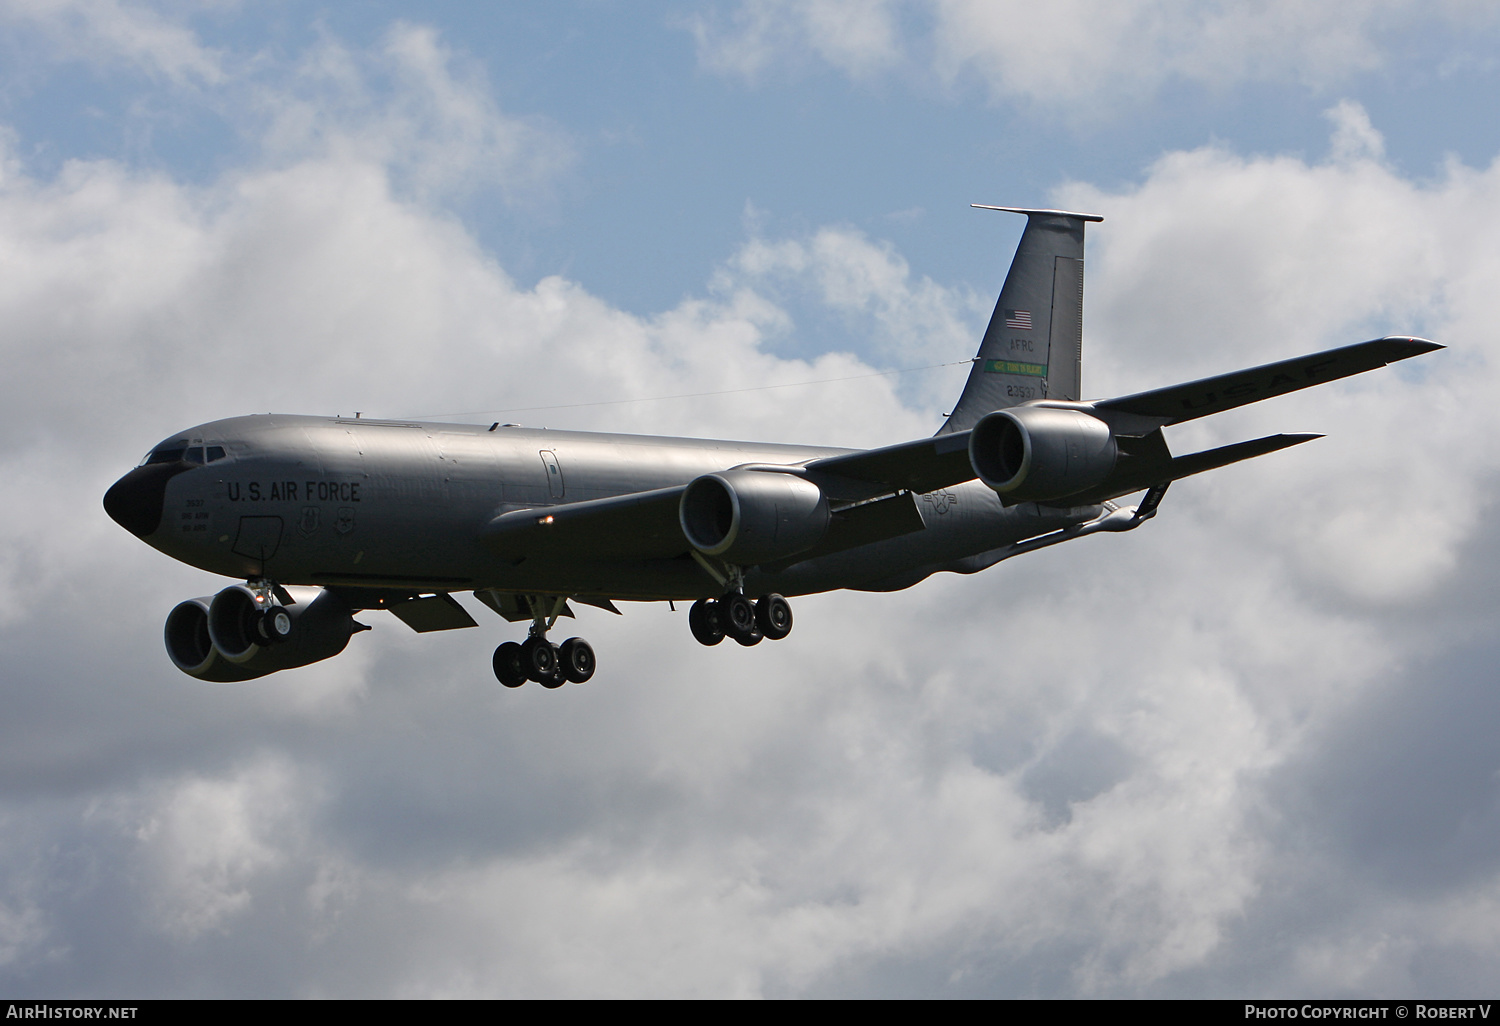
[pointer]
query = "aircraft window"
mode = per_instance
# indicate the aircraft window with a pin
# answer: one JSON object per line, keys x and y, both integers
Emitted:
{"x": 215, "y": 452}
{"x": 194, "y": 454}
{"x": 166, "y": 454}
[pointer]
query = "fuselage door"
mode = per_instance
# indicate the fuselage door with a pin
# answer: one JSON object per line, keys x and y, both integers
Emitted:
{"x": 258, "y": 538}
{"x": 554, "y": 474}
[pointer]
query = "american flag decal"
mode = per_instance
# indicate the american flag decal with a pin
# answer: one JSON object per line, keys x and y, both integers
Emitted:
{"x": 1018, "y": 319}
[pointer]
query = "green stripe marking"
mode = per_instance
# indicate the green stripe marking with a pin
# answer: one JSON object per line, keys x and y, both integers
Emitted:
{"x": 1033, "y": 370}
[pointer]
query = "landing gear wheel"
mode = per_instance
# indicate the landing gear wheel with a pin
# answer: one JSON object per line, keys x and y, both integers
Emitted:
{"x": 509, "y": 668}
{"x": 753, "y": 638}
{"x": 575, "y": 660}
{"x": 275, "y": 625}
{"x": 704, "y": 622}
{"x": 773, "y": 615}
{"x": 738, "y": 617}
{"x": 539, "y": 660}
{"x": 554, "y": 682}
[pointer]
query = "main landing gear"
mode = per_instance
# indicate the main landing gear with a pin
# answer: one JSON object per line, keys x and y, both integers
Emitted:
{"x": 538, "y": 659}
{"x": 711, "y": 620}
{"x": 549, "y": 665}
{"x": 735, "y": 616}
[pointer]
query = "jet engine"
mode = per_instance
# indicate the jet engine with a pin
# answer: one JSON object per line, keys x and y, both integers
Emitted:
{"x": 221, "y": 639}
{"x": 753, "y": 516}
{"x": 1039, "y": 453}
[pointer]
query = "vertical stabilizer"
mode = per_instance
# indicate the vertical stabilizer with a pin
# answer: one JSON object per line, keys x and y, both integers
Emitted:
{"x": 1033, "y": 348}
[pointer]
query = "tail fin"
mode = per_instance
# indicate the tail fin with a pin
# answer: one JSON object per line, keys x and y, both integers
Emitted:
{"x": 1033, "y": 348}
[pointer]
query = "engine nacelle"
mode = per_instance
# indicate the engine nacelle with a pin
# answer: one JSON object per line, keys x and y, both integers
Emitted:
{"x": 192, "y": 650}
{"x": 1037, "y": 453}
{"x": 753, "y": 516}
{"x": 216, "y": 639}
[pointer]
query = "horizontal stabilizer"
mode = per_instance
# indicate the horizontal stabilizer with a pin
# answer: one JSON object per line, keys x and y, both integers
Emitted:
{"x": 1179, "y": 403}
{"x": 1039, "y": 212}
{"x": 1213, "y": 459}
{"x": 1133, "y": 475}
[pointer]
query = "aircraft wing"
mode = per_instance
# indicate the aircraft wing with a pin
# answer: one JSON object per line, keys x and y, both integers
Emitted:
{"x": 640, "y": 525}
{"x": 1136, "y": 420}
{"x": 932, "y": 463}
{"x": 1178, "y": 403}
{"x": 921, "y": 466}
{"x": 645, "y": 525}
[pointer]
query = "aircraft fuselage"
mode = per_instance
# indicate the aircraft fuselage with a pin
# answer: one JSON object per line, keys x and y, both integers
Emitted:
{"x": 402, "y": 504}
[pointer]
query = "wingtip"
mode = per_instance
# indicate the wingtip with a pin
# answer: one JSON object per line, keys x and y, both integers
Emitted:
{"x": 1407, "y": 346}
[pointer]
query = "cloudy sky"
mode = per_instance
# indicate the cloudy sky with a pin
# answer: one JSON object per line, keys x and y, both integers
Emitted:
{"x": 1248, "y": 749}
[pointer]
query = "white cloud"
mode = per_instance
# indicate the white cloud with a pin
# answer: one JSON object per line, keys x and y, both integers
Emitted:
{"x": 1219, "y": 261}
{"x": 1354, "y": 138}
{"x": 415, "y": 109}
{"x": 900, "y": 321}
{"x": 204, "y": 843}
{"x": 1068, "y": 775}
{"x": 856, "y": 36}
{"x": 1080, "y": 55}
{"x": 109, "y": 31}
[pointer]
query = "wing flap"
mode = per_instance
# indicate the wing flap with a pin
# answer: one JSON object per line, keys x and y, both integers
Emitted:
{"x": 440, "y": 612}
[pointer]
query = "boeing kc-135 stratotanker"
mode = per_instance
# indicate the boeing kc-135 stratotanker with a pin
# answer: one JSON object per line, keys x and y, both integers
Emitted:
{"x": 326, "y": 516}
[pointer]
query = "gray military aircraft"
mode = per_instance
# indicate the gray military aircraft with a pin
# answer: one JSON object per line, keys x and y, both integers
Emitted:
{"x": 326, "y": 516}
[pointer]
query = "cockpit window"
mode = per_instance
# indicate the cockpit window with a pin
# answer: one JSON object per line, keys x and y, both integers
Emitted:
{"x": 183, "y": 451}
{"x": 170, "y": 453}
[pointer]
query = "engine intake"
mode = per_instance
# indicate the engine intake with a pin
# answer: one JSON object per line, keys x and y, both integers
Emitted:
{"x": 1038, "y": 453}
{"x": 215, "y": 639}
{"x": 192, "y": 650}
{"x": 753, "y": 516}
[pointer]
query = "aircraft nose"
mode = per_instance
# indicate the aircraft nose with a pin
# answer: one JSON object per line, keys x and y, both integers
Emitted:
{"x": 135, "y": 501}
